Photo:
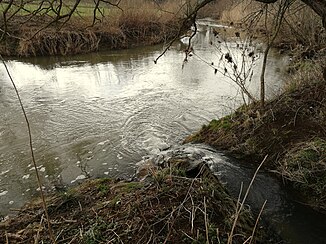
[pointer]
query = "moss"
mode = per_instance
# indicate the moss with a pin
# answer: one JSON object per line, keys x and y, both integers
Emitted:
{"x": 132, "y": 186}
{"x": 103, "y": 189}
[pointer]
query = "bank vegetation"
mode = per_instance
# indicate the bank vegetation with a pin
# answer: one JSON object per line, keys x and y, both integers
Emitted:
{"x": 38, "y": 28}
{"x": 291, "y": 127}
{"x": 169, "y": 206}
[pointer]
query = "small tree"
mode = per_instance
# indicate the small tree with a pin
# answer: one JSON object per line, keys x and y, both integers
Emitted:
{"x": 271, "y": 36}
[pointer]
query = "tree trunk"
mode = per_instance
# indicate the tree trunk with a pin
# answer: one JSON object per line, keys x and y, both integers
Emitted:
{"x": 262, "y": 77}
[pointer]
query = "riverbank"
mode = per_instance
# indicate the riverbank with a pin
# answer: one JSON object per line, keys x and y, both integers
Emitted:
{"x": 290, "y": 130}
{"x": 78, "y": 38}
{"x": 167, "y": 206}
{"x": 33, "y": 30}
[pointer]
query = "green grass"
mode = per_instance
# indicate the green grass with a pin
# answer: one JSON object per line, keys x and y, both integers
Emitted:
{"x": 132, "y": 186}
{"x": 305, "y": 166}
{"x": 224, "y": 123}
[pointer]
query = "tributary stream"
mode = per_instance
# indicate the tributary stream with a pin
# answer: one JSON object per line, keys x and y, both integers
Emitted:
{"x": 99, "y": 114}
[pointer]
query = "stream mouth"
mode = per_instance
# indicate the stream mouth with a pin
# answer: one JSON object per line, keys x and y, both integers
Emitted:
{"x": 293, "y": 222}
{"x": 97, "y": 115}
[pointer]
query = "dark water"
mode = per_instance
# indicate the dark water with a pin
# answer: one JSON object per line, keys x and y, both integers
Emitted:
{"x": 292, "y": 221}
{"x": 99, "y": 114}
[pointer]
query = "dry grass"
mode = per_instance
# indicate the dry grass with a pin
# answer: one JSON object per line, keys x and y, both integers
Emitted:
{"x": 303, "y": 71}
{"x": 215, "y": 9}
{"x": 167, "y": 208}
{"x": 136, "y": 23}
{"x": 305, "y": 167}
{"x": 300, "y": 26}
{"x": 62, "y": 42}
{"x": 237, "y": 11}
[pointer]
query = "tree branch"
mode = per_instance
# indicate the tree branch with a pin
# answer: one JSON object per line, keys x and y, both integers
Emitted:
{"x": 32, "y": 152}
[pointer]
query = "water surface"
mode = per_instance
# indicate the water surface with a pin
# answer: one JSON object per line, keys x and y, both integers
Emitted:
{"x": 98, "y": 114}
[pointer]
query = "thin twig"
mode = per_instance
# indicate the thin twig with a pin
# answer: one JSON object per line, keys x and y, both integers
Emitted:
{"x": 32, "y": 151}
{"x": 237, "y": 214}
{"x": 38, "y": 231}
{"x": 57, "y": 238}
{"x": 194, "y": 240}
{"x": 206, "y": 221}
{"x": 7, "y": 239}
{"x": 295, "y": 116}
{"x": 193, "y": 214}
{"x": 191, "y": 17}
{"x": 257, "y": 220}
{"x": 218, "y": 236}
{"x": 117, "y": 236}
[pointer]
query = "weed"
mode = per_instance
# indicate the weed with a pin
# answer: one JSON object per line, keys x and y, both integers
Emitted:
{"x": 103, "y": 189}
{"x": 305, "y": 167}
{"x": 224, "y": 123}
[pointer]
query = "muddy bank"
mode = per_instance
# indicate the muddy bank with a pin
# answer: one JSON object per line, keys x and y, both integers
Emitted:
{"x": 290, "y": 130}
{"x": 167, "y": 206}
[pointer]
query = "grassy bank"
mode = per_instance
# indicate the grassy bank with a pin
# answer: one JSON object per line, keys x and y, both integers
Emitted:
{"x": 34, "y": 32}
{"x": 167, "y": 207}
{"x": 291, "y": 130}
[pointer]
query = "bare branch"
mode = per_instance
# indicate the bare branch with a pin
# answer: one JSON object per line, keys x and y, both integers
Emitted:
{"x": 32, "y": 151}
{"x": 4, "y": 15}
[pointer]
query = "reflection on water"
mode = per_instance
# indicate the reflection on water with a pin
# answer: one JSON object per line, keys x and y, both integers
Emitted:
{"x": 98, "y": 114}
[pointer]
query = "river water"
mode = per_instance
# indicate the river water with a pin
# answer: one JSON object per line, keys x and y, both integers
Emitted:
{"x": 99, "y": 114}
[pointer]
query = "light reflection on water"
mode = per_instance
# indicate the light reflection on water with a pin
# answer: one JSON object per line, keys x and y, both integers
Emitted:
{"x": 102, "y": 112}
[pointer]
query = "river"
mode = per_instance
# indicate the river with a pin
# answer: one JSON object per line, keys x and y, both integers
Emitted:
{"x": 99, "y": 114}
